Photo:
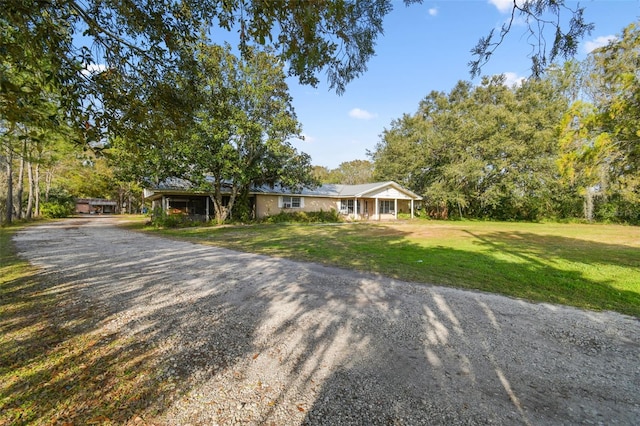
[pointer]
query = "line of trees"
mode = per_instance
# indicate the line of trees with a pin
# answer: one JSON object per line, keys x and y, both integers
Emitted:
{"x": 563, "y": 146}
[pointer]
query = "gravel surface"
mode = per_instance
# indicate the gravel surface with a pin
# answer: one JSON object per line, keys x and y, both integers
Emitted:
{"x": 249, "y": 339}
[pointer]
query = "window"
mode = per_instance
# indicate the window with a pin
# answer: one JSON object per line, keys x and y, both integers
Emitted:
{"x": 291, "y": 202}
{"x": 387, "y": 207}
{"x": 346, "y": 206}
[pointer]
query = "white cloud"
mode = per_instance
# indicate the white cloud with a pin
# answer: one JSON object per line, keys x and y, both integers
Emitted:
{"x": 361, "y": 114}
{"x": 601, "y": 41}
{"x": 94, "y": 69}
{"x": 433, "y": 11}
{"x": 504, "y": 6}
{"x": 511, "y": 79}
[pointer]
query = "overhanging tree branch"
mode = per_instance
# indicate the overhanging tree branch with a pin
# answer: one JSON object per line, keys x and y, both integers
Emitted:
{"x": 534, "y": 13}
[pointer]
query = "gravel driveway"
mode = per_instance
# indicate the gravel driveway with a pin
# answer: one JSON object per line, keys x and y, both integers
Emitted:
{"x": 250, "y": 339}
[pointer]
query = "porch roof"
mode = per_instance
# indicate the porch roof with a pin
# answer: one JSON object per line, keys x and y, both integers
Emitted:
{"x": 96, "y": 202}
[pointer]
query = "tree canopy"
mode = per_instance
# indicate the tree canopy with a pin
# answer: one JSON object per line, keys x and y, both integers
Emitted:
{"x": 486, "y": 150}
{"x": 335, "y": 36}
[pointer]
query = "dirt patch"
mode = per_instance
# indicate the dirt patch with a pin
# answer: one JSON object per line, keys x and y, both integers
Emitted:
{"x": 237, "y": 338}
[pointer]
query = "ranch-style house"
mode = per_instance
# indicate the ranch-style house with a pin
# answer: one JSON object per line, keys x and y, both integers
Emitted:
{"x": 371, "y": 201}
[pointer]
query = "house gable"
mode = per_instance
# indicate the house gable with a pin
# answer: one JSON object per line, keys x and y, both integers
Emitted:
{"x": 383, "y": 190}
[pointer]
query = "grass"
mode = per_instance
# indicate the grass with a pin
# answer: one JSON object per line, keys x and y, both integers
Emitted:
{"x": 56, "y": 366}
{"x": 590, "y": 266}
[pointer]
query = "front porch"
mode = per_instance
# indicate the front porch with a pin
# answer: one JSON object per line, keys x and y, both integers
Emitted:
{"x": 375, "y": 208}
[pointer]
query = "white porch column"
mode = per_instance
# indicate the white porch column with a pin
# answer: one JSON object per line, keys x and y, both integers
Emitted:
{"x": 206, "y": 205}
{"x": 412, "y": 208}
{"x": 395, "y": 207}
{"x": 356, "y": 211}
{"x": 377, "y": 211}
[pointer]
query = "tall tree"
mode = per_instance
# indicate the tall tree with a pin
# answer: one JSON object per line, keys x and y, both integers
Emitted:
{"x": 244, "y": 121}
{"x": 586, "y": 154}
{"x": 617, "y": 65}
{"x": 30, "y": 113}
{"x": 231, "y": 131}
{"x": 321, "y": 174}
{"x": 612, "y": 125}
{"x": 487, "y": 150}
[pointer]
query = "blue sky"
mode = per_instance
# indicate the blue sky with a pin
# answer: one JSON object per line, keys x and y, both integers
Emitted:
{"x": 424, "y": 47}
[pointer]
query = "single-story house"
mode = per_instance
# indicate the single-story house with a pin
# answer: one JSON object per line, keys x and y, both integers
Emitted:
{"x": 95, "y": 206}
{"x": 371, "y": 201}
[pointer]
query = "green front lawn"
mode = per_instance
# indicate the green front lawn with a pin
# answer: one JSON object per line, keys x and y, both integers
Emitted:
{"x": 589, "y": 266}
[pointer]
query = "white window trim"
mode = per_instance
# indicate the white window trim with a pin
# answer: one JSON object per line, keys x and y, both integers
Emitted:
{"x": 391, "y": 209}
{"x": 345, "y": 208}
{"x": 286, "y": 202}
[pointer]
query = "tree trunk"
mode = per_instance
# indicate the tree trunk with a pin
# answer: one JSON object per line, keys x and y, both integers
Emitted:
{"x": 48, "y": 179}
{"x": 36, "y": 185}
{"x": 120, "y": 200}
{"x": 9, "y": 213}
{"x": 20, "y": 188}
{"x": 220, "y": 212}
{"x": 588, "y": 204}
{"x": 241, "y": 206}
{"x": 29, "y": 211}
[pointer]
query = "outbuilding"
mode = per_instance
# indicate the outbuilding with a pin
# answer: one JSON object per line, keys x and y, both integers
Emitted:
{"x": 95, "y": 206}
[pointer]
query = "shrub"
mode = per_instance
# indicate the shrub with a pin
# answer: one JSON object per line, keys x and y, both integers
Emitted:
{"x": 321, "y": 216}
{"x": 56, "y": 209}
{"x": 160, "y": 219}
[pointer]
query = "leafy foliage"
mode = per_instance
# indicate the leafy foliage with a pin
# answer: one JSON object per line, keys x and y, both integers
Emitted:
{"x": 601, "y": 154}
{"x": 148, "y": 39}
{"x": 162, "y": 219}
{"x": 52, "y": 210}
{"x": 486, "y": 151}
{"x": 60, "y": 204}
{"x": 565, "y": 146}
